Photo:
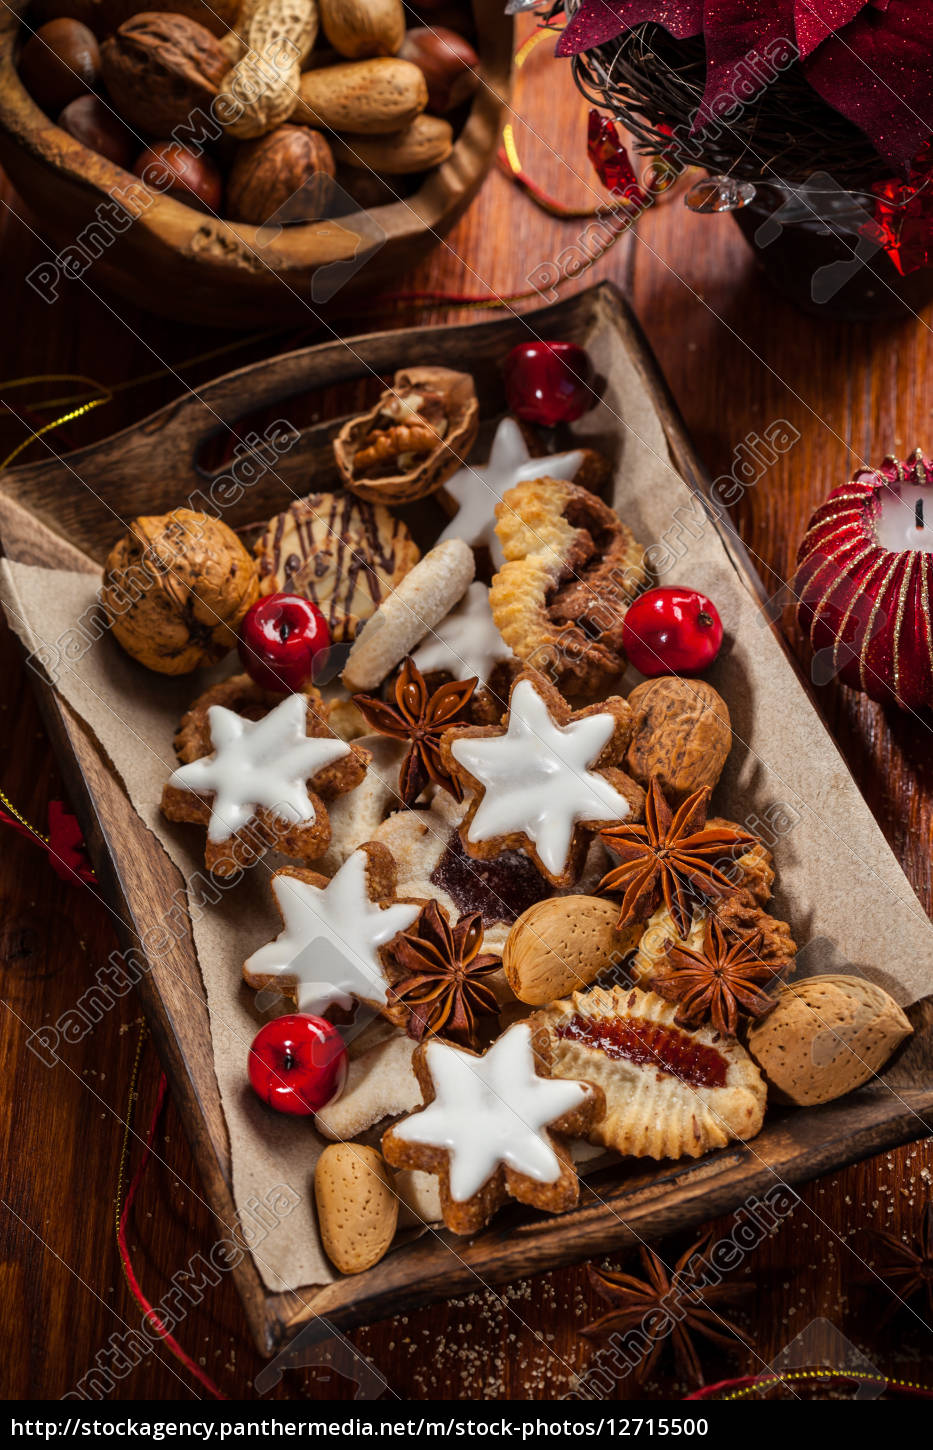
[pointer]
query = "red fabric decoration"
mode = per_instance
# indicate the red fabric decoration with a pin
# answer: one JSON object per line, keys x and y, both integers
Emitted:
{"x": 817, "y": 20}
{"x": 877, "y": 73}
{"x": 610, "y": 159}
{"x": 599, "y": 20}
{"x": 903, "y": 222}
{"x": 66, "y": 846}
{"x": 868, "y": 59}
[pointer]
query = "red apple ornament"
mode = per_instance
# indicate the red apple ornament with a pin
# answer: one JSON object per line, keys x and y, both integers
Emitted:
{"x": 864, "y": 583}
{"x": 298, "y": 1064}
{"x": 280, "y": 639}
{"x": 672, "y": 631}
{"x": 549, "y": 382}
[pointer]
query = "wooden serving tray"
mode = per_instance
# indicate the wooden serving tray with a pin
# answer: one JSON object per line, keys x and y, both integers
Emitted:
{"x": 151, "y": 467}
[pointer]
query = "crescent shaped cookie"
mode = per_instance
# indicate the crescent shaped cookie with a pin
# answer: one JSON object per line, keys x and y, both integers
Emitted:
{"x": 572, "y": 568}
{"x": 670, "y": 1092}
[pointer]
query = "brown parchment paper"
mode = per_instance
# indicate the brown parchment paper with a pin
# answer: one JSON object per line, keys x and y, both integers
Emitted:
{"x": 839, "y": 884}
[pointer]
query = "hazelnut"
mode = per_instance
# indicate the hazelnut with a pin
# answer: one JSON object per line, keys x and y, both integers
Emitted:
{"x": 58, "y": 63}
{"x": 171, "y": 168}
{"x": 448, "y": 63}
{"x": 286, "y": 174}
{"x": 175, "y": 590}
{"x": 158, "y": 68}
{"x": 89, "y": 121}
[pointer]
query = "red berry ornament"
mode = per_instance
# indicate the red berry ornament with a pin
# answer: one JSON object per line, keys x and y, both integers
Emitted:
{"x": 672, "y": 632}
{"x": 280, "y": 638}
{"x": 549, "y": 382}
{"x": 298, "y": 1064}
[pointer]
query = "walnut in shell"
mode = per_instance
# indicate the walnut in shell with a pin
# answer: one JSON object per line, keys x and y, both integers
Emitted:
{"x": 682, "y": 734}
{"x": 175, "y": 589}
{"x": 160, "y": 68}
{"x": 416, "y": 436}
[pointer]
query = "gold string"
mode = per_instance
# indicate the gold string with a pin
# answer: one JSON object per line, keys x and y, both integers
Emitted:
{"x": 21, "y": 818}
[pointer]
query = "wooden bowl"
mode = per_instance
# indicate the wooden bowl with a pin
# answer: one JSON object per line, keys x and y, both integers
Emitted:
{"x": 185, "y": 264}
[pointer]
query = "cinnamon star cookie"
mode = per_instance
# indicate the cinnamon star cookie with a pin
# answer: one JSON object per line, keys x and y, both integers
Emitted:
{"x": 328, "y": 953}
{"x": 489, "y": 1129}
{"x": 255, "y": 789}
{"x": 546, "y": 780}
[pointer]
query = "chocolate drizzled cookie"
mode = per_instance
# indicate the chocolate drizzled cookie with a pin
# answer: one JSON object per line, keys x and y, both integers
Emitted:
{"x": 340, "y": 552}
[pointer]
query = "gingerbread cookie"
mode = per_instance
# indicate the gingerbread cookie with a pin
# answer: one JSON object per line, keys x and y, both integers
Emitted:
{"x": 670, "y": 1092}
{"x": 329, "y": 953}
{"x": 419, "y": 432}
{"x": 546, "y": 780}
{"x": 423, "y": 598}
{"x": 255, "y": 789}
{"x": 572, "y": 568}
{"x": 342, "y": 553}
{"x": 491, "y": 1128}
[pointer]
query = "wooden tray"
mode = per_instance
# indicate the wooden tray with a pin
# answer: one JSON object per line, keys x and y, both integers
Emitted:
{"x": 149, "y": 468}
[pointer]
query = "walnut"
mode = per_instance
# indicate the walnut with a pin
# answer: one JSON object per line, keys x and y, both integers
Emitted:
{"x": 413, "y": 439}
{"x": 286, "y": 175}
{"x": 158, "y": 68}
{"x": 755, "y": 867}
{"x": 742, "y": 915}
{"x": 175, "y": 589}
{"x": 682, "y": 734}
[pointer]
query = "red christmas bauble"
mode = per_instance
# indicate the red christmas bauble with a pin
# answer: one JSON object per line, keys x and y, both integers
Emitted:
{"x": 298, "y": 1064}
{"x": 672, "y": 631}
{"x": 866, "y": 608}
{"x": 549, "y": 382}
{"x": 280, "y": 638}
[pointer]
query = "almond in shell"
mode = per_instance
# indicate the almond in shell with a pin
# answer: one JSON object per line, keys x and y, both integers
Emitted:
{"x": 827, "y": 1036}
{"x": 357, "y": 1206}
{"x": 562, "y": 944}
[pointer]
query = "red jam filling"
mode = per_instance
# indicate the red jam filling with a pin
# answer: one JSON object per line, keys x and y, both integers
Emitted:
{"x": 639, "y": 1041}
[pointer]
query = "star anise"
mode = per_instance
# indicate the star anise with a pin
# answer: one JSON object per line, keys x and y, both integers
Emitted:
{"x": 421, "y": 717}
{"x": 719, "y": 983}
{"x": 907, "y": 1269}
{"x": 440, "y": 986}
{"x": 682, "y": 1299}
{"x": 671, "y": 857}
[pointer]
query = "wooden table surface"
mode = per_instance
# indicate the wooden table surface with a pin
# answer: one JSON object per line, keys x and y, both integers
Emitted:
{"x": 737, "y": 358}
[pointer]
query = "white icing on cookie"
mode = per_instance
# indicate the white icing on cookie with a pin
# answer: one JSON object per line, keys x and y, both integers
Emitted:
{"x": 477, "y": 490}
{"x": 259, "y": 764}
{"x": 490, "y": 1110}
{"x": 467, "y": 642}
{"x": 537, "y": 778}
{"x": 331, "y": 938}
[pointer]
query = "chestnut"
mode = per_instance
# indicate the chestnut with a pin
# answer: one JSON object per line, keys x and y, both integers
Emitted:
{"x": 448, "y": 63}
{"x": 59, "y": 62}
{"x": 172, "y": 169}
{"x": 94, "y": 124}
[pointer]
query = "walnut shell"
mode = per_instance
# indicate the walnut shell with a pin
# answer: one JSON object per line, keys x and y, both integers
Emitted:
{"x": 285, "y": 174}
{"x": 682, "y": 734}
{"x": 438, "y": 402}
{"x": 158, "y": 68}
{"x": 175, "y": 589}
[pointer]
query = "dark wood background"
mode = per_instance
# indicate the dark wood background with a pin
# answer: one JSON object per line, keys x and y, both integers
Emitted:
{"x": 737, "y": 357}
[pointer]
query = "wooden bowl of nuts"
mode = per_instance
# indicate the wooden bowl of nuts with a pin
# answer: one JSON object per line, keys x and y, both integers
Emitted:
{"x": 230, "y": 161}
